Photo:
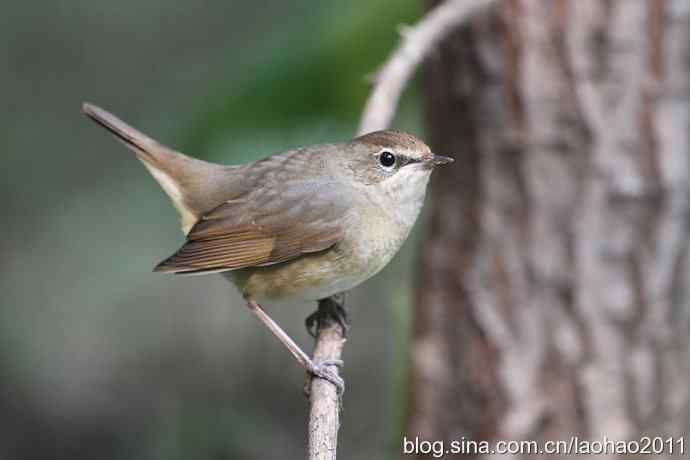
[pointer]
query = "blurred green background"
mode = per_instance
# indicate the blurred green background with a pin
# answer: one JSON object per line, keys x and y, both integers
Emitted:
{"x": 100, "y": 357}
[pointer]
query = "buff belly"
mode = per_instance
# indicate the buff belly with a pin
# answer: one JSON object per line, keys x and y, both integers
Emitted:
{"x": 310, "y": 277}
{"x": 364, "y": 251}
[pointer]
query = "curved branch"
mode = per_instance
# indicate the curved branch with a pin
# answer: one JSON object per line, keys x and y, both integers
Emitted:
{"x": 417, "y": 42}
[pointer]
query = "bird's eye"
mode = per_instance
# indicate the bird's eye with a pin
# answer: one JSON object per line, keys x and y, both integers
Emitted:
{"x": 387, "y": 159}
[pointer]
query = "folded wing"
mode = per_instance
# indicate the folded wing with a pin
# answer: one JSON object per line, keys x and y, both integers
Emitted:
{"x": 267, "y": 225}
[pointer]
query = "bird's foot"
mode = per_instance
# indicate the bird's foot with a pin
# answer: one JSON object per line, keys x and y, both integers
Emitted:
{"x": 320, "y": 369}
{"x": 331, "y": 309}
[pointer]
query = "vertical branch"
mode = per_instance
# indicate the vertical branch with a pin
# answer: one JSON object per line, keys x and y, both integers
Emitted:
{"x": 324, "y": 418}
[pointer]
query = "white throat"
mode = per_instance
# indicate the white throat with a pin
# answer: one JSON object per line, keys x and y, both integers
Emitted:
{"x": 404, "y": 195}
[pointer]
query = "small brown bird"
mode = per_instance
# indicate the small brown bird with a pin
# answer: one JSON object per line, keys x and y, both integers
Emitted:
{"x": 307, "y": 223}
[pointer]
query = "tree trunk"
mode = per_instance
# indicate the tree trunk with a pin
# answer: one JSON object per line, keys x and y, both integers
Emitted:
{"x": 554, "y": 299}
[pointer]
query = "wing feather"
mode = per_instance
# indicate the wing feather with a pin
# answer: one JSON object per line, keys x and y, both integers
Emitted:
{"x": 267, "y": 226}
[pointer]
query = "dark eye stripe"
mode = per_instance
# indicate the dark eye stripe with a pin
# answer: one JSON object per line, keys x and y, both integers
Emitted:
{"x": 400, "y": 160}
{"x": 404, "y": 160}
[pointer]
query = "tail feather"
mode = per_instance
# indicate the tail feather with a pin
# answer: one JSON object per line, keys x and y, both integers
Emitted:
{"x": 142, "y": 145}
{"x": 194, "y": 186}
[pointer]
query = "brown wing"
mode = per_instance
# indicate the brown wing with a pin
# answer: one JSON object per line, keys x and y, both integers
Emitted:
{"x": 263, "y": 227}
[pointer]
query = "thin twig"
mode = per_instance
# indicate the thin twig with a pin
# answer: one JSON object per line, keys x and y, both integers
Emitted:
{"x": 324, "y": 418}
{"x": 417, "y": 43}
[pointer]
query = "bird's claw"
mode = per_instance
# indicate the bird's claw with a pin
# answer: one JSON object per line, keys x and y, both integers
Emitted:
{"x": 330, "y": 309}
{"x": 320, "y": 369}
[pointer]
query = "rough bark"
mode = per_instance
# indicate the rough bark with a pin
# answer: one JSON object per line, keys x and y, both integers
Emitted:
{"x": 555, "y": 291}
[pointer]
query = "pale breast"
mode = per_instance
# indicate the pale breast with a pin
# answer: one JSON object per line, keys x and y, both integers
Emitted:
{"x": 371, "y": 241}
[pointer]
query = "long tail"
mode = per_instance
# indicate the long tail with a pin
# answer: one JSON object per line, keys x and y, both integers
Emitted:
{"x": 147, "y": 149}
{"x": 194, "y": 186}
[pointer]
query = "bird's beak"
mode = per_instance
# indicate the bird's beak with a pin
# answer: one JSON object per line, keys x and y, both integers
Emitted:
{"x": 441, "y": 160}
{"x": 437, "y": 160}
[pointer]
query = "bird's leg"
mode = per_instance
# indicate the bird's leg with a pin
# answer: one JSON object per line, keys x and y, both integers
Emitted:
{"x": 330, "y": 309}
{"x": 319, "y": 369}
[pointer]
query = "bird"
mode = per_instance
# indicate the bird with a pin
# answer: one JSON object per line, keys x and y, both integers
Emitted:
{"x": 308, "y": 223}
